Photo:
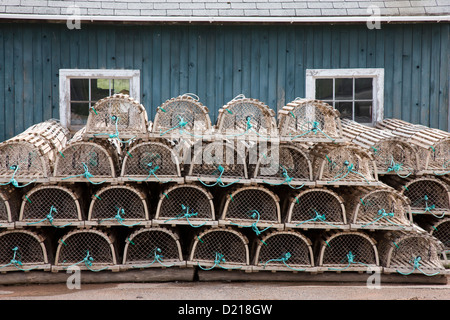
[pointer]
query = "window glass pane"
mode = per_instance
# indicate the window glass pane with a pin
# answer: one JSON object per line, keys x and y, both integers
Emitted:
{"x": 99, "y": 89}
{"x": 329, "y": 102}
{"x": 121, "y": 86}
{"x": 345, "y": 108}
{"x": 363, "y": 111}
{"x": 79, "y": 89}
{"x": 79, "y": 113}
{"x": 324, "y": 89}
{"x": 363, "y": 88}
{"x": 343, "y": 88}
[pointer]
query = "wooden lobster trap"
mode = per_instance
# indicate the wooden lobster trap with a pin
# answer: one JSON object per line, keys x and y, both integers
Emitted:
{"x": 254, "y": 207}
{"x": 317, "y": 208}
{"x": 218, "y": 163}
{"x": 283, "y": 251}
{"x": 85, "y": 161}
{"x": 410, "y": 253}
{"x": 347, "y": 251}
{"x": 428, "y": 195}
{"x": 87, "y": 249}
{"x": 440, "y": 229}
{"x": 154, "y": 247}
{"x": 117, "y": 117}
{"x": 52, "y": 205}
{"x": 308, "y": 120}
{"x": 52, "y": 131}
{"x": 246, "y": 118}
{"x": 186, "y": 204}
{"x": 119, "y": 205}
{"x": 151, "y": 161}
{"x": 285, "y": 164}
{"x": 382, "y": 208}
{"x": 219, "y": 248}
{"x": 24, "y": 250}
{"x": 393, "y": 154}
{"x": 182, "y": 117}
{"x": 344, "y": 164}
{"x": 9, "y": 207}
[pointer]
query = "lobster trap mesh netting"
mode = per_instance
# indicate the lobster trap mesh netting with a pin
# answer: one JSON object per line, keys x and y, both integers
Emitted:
{"x": 131, "y": 117}
{"x": 283, "y": 162}
{"x": 229, "y": 243}
{"x": 309, "y": 120}
{"x": 244, "y": 202}
{"x": 218, "y": 160}
{"x": 439, "y": 158}
{"x": 441, "y": 231}
{"x": 78, "y": 244}
{"x": 317, "y": 207}
{"x": 180, "y": 200}
{"x": 39, "y": 201}
{"x": 394, "y": 156}
{"x": 128, "y": 201}
{"x": 293, "y": 247}
{"x": 142, "y": 245}
{"x": 180, "y": 115}
{"x": 24, "y": 246}
{"x": 246, "y": 116}
{"x": 427, "y": 196}
{"x": 150, "y": 157}
{"x": 78, "y": 158}
{"x": 336, "y": 249}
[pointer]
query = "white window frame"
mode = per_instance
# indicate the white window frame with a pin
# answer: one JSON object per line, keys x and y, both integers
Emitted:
{"x": 378, "y": 85}
{"x": 65, "y": 75}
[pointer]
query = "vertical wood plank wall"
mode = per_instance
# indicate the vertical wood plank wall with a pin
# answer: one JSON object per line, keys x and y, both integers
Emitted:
{"x": 219, "y": 62}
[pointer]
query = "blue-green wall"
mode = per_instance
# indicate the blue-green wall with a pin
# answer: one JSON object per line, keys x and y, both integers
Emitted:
{"x": 219, "y": 62}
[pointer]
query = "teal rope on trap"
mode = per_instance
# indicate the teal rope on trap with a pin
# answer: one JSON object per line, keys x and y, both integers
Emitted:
{"x": 248, "y": 129}
{"x": 254, "y": 214}
{"x": 345, "y": 171}
{"x": 351, "y": 260}
{"x": 157, "y": 257}
{"x": 445, "y": 166}
{"x": 13, "y": 181}
{"x": 151, "y": 172}
{"x": 219, "y": 181}
{"x": 382, "y": 214}
{"x": 219, "y": 258}
{"x": 314, "y": 129}
{"x": 180, "y": 126}
{"x": 120, "y": 219}
{"x": 16, "y": 262}
{"x": 116, "y": 134}
{"x": 320, "y": 218}
{"x": 87, "y": 260}
{"x": 428, "y": 208}
{"x": 416, "y": 266}
{"x": 287, "y": 180}
{"x": 86, "y": 174}
{"x": 283, "y": 259}
{"x": 396, "y": 167}
{"x": 186, "y": 215}
{"x": 50, "y": 219}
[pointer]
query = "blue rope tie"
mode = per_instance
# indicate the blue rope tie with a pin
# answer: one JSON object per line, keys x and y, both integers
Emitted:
{"x": 151, "y": 172}
{"x": 186, "y": 215}
{"x": 287, "y": 180}
{"x": 86, "y": 174}
{"x": 416, "y": 266}
{"x": 13, "y": 181}
{"x": 118, "y": 217}
{"x": 116, "y": 134}
{"x": 382, "y": 214}
{"x": 157, "y": 257}
{"x": 219, "y": 181}
{"x": 428, "y": 208}
{"x": 87, "y": 260}
{"x": 249, "y": 128}
{"x": 396, "y": 167}
{"x": 345, "y": 171}
{"x": 320, "y": 218}
{"x": 16, "y": 262}
{"x": 181, "y": 125}
{"x": 283, "y": 259}
{"x": 50, "y": 219}
{"x": 314, "y": 129}
{"x": 219, "y": 258}
{"x": 445, "y": 166}
{"x": 350, "y": 260}
{"x": 254, "y": 214}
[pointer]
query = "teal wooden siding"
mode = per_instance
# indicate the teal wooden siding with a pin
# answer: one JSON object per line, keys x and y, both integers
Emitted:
{"x": 219, "y": 62}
